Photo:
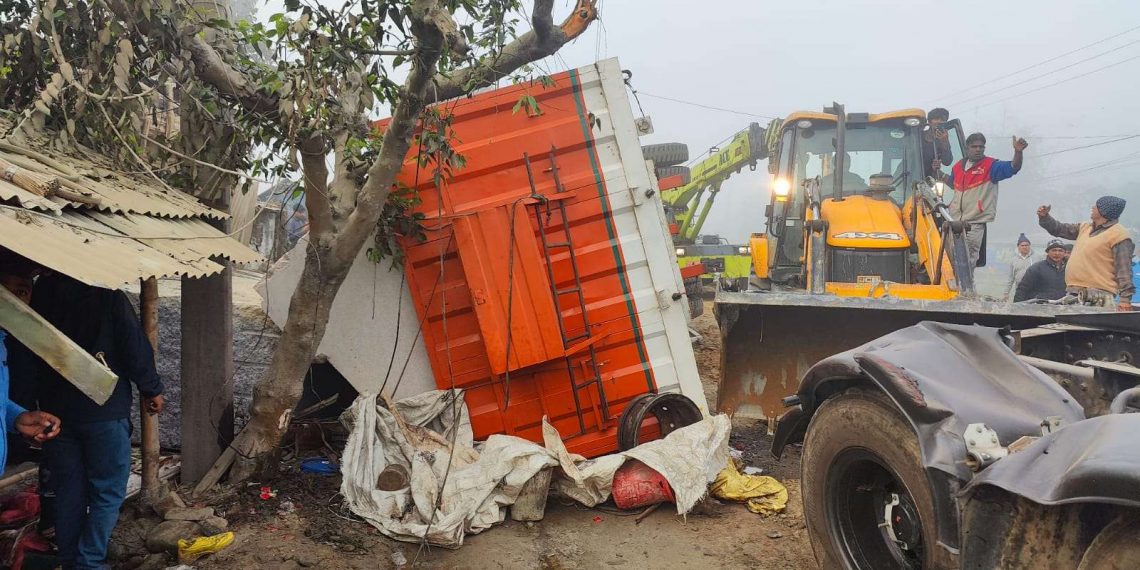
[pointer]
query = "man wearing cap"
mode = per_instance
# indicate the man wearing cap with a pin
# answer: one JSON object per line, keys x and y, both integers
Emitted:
{"x": 1021, "y": 261}
{"x": 975, "y": 181}
{"x": 1100, "y": 267}
{"x": 1045, "y": 279}
{"x": 936, "y": 142}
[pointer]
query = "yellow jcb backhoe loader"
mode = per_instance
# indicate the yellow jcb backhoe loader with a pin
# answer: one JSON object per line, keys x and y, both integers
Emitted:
{"x": 858, "y": 244}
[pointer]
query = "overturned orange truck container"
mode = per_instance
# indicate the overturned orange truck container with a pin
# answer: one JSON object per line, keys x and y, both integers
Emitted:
{"x": 547, "y": 285}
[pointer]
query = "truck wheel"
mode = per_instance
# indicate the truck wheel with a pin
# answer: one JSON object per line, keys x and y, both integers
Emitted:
{"x": 866, "y": 498}
{"x": 682, "y": 171}
{"x": 666, "y": 154}
{"x": 1117, "y": 546}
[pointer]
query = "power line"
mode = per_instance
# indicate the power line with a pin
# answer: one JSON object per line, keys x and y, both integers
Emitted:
{"x": 1120, "y": 160}
{"x": 1039, "y": 64}
{"x": 1055, "y": 83}
{"x": 709, "y": 107}
{"x": 1046, "y": 74}
{"x": 1088, "y": 145}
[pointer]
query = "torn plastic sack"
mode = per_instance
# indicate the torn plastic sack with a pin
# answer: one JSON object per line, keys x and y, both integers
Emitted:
{"x": 765, "y": 495}
{"x": 689, "y": 458}
{"x": 413, "y": 438}
{"x": 477, "y": 485}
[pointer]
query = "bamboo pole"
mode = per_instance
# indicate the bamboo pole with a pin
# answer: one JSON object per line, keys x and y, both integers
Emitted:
{"x": 148, "y": 307}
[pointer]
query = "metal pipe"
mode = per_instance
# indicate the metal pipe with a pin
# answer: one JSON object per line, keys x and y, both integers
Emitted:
{"x": 148, "y": 307}
{"x": 840, "y": 150}
{"x": 696, "y": 228}
{"x": 1120, "y": 403}
{"x": 1052, "y": 367}
{"x": 818, "y": 263}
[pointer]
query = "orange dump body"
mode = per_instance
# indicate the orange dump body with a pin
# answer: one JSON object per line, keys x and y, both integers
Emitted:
{"x": 523, "y": 284}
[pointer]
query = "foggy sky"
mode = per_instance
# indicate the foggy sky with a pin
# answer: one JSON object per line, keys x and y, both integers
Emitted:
{"x": 774, "y": 57}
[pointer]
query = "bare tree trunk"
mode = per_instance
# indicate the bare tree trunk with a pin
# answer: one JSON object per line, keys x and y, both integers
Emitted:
{"x": 275, "y": 397}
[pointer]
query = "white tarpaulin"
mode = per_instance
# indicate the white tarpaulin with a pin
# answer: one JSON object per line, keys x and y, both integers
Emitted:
{"x": 481, "y": 481}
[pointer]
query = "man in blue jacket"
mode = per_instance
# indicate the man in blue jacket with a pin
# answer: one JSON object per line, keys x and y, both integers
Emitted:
{"x": 17, "y": 276}
{"x": 89, "y": 464}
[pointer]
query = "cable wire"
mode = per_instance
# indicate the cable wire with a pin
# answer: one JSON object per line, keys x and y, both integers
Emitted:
{"x": 1046, "y": 74}
{"x": 1039, "y": 64}
{"x": 1088, "y": 146}
{"x": 709, "y": 107}
{"x": 1055, "y": 83}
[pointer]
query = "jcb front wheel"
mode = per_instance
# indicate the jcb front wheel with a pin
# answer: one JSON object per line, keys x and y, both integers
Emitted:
{"x": 866, "y": 498}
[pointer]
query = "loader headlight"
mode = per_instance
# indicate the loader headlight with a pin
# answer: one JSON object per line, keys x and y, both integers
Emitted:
{"x": 744, "y": 250}
{"x": 912, "y": 122}
{"x": 939, "y": 188}
{"x": 781, "y": 187}
{"x": 680, "y": 252}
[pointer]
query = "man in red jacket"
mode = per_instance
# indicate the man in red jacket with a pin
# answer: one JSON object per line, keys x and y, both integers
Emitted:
{"x": 975, "y": 181}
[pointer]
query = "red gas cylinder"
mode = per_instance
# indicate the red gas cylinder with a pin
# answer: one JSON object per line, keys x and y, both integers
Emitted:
{"x": 638, "y": 485}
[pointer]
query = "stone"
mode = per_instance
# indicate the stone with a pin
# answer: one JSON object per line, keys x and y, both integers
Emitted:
{"x": 307, "y": 559}
{"x": 154, "y": 562}
{"x": 213, "y": 525}
{"x": 169, "y": 502}
{"x": 165, "y": 536}
{"x": 775, "y": 534}
{"x": 189, "y": 514}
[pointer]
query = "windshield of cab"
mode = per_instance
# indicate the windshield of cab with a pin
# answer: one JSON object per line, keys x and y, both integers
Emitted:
{"x": 884, "y": 147}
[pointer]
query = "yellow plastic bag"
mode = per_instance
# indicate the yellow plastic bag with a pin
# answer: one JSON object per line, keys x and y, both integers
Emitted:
{"x": 193, "y": 549}
{"x": 765, "y": 495}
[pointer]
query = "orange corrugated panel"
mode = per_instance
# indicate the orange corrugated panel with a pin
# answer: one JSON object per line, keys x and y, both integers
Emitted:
{"x": 511, "y": 293}
{"x": 459, "y": 275}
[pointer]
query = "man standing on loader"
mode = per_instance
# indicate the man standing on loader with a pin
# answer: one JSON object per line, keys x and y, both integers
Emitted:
{"x": 936, "y": 142}
{"x": 1100, "y": 268}
{"x": 975, "y": 181}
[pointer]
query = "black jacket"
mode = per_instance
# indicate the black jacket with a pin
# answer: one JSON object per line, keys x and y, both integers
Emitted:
{"x": 1042, "y": 280}
{"x": 102, "y": 321}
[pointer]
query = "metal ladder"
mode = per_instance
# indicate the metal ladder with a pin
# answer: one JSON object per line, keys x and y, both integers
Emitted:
{"x": 592, "y": 376}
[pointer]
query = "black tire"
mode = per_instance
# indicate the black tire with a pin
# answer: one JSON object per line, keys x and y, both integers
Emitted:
{"x": 667, "y": 171}
{"x": 666, "y": 154}
{"x": 859, "y": 451}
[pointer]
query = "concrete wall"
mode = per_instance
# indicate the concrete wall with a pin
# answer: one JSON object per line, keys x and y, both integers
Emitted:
{"x": 363, "y": 325}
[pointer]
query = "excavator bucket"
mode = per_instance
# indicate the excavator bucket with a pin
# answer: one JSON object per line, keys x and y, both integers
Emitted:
{"x": 770, "y": 339}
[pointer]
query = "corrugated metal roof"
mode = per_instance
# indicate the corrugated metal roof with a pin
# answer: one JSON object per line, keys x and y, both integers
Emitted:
{"x": 118, "y": 193}
{"x": 11, "y": 193}
{"x": 139, "y": 230}
{"x": 77, "y": 245}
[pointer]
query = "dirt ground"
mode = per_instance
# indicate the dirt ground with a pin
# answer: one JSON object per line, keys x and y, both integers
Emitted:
{"x": 320, "y": 533}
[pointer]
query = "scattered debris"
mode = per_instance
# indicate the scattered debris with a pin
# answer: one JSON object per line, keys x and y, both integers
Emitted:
{"x": 285, "y": 508}
{"x": 648, "y": 511}
{"x": 320, "y": 466}
{"x": 190, "y": 550}
{"x": 764, "y": 495}
{"x": 399, "y": 559}
{"x": 775, "y": 534}
{"x": 267, "y": 493}
{"x": 750, "y": 470}
{"x": 188, "y": 514}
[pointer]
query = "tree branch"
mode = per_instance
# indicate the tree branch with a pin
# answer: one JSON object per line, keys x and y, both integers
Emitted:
{"x": 316, "y": 174}
{"x": 434, "y": 28}
{"x": 209, "y": 65}
{"x": 542, "y": 41}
